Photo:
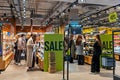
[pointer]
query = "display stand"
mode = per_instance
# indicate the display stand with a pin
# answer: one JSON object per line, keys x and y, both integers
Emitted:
{"x": 50, "y": 43}
{"x": 40, "y": 53}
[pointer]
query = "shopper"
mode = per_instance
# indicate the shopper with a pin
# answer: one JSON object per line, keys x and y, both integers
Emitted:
{"x": 72, "y": 48}
{"x": 79, "y": 50}
{"x": 97, "y": 50}
{"x": 20, "y": 49}
{"x": 66, "y": 41}
{"x": 66, "y": 47}
{"x": 24, "y": 46}
{"x": 30, "y": 52}
{"x": 16, "y": 48}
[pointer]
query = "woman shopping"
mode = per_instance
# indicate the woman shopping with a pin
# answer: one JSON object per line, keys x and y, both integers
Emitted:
{"x": 79, "y": 50}
{"x": 97, "y": 50}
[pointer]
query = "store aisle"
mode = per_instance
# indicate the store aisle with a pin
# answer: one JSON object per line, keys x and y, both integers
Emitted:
{"x": 81, "y": 72}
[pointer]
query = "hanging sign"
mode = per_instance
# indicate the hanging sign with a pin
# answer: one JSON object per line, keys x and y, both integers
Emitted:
{"x": 113, "y": 17}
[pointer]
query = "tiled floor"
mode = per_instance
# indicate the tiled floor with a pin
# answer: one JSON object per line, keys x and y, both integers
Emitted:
{"x": 81, "y": 72}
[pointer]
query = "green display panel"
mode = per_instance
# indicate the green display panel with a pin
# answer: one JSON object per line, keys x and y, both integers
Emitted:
{"x": 53, "y": 43}
{"x": 106, "y": 42}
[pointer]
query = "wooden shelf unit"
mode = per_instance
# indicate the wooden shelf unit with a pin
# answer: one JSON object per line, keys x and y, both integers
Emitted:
{"x": 40, "y": 62}
{"x": 6, "y": 61}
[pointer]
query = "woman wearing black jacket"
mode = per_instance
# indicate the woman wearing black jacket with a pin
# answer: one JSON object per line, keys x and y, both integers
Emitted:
{"x": 97, "y": 50}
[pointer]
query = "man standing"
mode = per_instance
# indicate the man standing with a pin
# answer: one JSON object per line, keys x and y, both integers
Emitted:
{"x": 30, "y": 54}
{"x": 20, "y": 48}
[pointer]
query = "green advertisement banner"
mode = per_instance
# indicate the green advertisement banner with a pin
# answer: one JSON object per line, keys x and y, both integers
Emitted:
{"x": 53, "y": 43}
{"x": 106, "y": 42}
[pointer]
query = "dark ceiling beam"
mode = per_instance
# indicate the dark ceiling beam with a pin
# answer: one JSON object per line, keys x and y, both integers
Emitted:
{"x": 6, "y": 6}
{"x": 53, "y": 10}
{"x": 5, "y": 9}
{"x": 99, "y": 11}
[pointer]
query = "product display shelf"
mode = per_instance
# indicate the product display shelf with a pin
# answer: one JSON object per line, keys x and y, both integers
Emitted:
{"x": 117, "y": 47}
{"x": 40, "y": 61}
{"x": 7, "y": 44}
{"x": 6, "y": 61}
{"x": 40, "y": 53}
{"x": 88, "y": 49}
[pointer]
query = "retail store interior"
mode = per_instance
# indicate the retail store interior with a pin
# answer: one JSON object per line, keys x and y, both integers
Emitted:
{"x": 55, "y": 40}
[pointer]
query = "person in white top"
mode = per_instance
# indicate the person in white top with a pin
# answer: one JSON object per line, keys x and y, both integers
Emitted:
{"x": 30, "y": 53}
{"x": 79, "y": 50}
{"x": 20, "y": 47}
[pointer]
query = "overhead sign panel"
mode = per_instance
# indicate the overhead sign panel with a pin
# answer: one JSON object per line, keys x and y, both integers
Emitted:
{"x": 113, "y": 17}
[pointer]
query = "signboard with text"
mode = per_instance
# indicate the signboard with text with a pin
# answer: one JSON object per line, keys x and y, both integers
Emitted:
{"x": 106, "y": 41}
{"x": 53, "y": 43}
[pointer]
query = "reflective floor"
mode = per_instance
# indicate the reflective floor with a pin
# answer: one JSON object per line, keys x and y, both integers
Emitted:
{"x": 81, "y": 72}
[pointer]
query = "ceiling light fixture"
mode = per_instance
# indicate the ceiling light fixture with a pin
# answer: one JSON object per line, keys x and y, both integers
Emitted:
{"x": 74, "y": 5}
{"x": 82, "y": 0}
{"x": 24, "y": 10}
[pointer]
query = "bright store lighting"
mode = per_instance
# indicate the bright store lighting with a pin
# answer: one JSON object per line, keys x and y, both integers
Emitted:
{"x": 24, "y": 10}
{"x": 74, "y": 5}
{"x": 118, "y": 7}
{"x": 82, "y": 0}
{"x": 63, "y": 13}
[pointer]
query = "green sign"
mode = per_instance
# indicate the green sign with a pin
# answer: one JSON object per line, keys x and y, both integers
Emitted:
{"x": 106, "y": 41}
{"x": 53, "y": 43}
{"x": 113, "y": 17}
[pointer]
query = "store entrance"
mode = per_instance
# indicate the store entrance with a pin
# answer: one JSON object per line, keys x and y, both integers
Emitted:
{"x": 116, "y": 51}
